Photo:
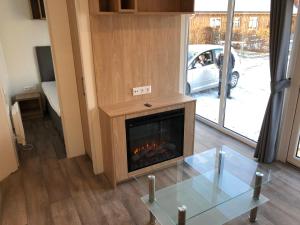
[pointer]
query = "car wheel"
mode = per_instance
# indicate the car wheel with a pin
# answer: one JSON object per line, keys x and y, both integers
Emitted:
{"x": 187, "y": 89}
{"x": 234, "y": 79}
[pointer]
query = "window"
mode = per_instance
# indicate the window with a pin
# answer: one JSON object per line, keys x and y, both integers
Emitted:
{"x": 237, "y": 106}
{"x": 206, "y": 36}
{"x": 204, "y": 59}
{"x": 215, "y": 22}
{"x": 236, "y": 22}
{"x": 253, "y": 22}
{"x": 218, "y": 52}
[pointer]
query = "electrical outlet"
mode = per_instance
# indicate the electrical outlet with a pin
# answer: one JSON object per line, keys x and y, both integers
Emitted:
{"x": 29, "y": 88}
{"x": 141, "y": 90}
{"x": 147, "y": 89}
{"x": 136, "y": 91}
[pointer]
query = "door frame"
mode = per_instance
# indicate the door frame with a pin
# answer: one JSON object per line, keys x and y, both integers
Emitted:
{"x": 63, "y": 60}
{"x": 295, "y": 137}
{"x": 291, "y": 98}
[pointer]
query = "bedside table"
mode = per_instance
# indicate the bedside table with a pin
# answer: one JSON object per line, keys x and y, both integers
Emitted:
{"x": 30, "y": 105}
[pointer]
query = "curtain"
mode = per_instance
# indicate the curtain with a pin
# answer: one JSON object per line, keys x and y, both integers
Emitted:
{"x": 280, "y": 30}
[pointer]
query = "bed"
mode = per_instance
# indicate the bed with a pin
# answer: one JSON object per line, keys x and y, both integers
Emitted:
{"x": 48, "y": 84}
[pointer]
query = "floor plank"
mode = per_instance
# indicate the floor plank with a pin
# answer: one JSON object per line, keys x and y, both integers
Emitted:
{"x": 14, "y": 210}
{"x": 55, "y": 181}
{"x": 64, "y": 213}
{"x": 84, "y": 198}
{"x": 49, "y": 190}
{"x": 37, "y": 201}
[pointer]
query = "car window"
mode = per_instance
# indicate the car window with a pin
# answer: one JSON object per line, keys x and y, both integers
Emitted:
{"x": 195, "y": 63}
{"x": 206, "y": 58}
{"x": 217, "y": 53}
{"x": 191, "y": 55}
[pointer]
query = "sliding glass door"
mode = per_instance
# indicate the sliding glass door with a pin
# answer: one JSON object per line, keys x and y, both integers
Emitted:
{"x": 206, "y": 40}
{"x": 246, "y": 106}
{"x": 228, "y": 64}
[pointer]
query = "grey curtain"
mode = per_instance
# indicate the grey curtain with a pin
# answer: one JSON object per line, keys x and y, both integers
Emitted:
{"x": 280, "y": 29}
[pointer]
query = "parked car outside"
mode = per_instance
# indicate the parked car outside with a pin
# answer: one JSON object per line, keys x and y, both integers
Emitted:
{"x": 203, "y": 72}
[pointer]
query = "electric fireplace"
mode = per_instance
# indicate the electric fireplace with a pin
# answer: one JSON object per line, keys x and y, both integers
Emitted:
{"x": 154, "y": 138}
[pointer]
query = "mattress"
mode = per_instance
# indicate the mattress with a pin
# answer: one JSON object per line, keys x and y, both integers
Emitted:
{"x": 49, "y": 89}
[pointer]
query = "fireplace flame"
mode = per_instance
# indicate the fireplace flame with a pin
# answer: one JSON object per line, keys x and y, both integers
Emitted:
{"x": 145, "y": 147}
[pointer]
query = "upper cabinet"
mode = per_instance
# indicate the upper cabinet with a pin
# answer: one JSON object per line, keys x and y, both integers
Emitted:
{"x": 103, "y": 7}
{"x": 38, "y": 9}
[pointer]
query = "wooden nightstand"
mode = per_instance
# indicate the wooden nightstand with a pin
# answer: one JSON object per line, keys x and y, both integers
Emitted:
{"x": 30, "y": 105}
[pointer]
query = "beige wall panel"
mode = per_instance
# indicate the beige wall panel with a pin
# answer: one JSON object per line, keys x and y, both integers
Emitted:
{"x": 132, "y": 51}
{"x": 8, "y": 155}
{"x": 189, "y": 128}
{"x": 59, "y": 30}
{"x": 79, "y": 74}
{"x": 108, "y": 154}
{"x": 119, "y": 144}
{"x": 83, "y": 24}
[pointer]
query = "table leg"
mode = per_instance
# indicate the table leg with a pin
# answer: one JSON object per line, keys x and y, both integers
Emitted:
{"x": 221, "y": 161}
{"x": 256, "y": 194}
{"x": 181, "y": 215}
{"x": 152, "y": 219}
{"x": 151, "y": 179}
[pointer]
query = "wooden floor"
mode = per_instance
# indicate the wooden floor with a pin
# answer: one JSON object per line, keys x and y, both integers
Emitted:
{"x": 51, "y": 191}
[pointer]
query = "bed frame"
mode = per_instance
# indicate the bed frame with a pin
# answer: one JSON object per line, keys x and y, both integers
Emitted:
{"x": 46, "y": 69}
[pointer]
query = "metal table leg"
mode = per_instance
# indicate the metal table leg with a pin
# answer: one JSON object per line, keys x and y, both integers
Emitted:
{"x": 256, "y": 194}
{"x": 181, "y": 215}
{"x": 151, "y": 179}
{"x": 221, "y": 162}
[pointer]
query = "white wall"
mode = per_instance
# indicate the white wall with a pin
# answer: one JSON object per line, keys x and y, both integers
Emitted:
{"x": 19, "y": 35}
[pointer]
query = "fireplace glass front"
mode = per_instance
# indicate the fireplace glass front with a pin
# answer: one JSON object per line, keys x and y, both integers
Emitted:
{"x": 155, "y": 138}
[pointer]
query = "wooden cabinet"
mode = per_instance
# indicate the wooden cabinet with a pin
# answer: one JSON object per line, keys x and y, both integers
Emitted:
{"x": 30, "y": 105}
{"x": 128, "y": 6}
{"x": 103, "y": 7}
{"x": 112, "y": 120}
{"x": 38, "y": 9}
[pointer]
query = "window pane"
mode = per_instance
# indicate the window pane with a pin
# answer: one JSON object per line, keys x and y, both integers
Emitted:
{"x": 246, "y": 107}
{"x": 206, "y": 39}
{"x": 295, "y": 12}
{"x": 247, "y": 103}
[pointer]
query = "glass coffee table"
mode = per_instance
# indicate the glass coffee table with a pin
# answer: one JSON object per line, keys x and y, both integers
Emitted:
{"x": 210, "y": 188}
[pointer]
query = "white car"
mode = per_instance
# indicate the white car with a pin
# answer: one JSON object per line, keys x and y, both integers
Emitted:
{"x": 204, "y": 76}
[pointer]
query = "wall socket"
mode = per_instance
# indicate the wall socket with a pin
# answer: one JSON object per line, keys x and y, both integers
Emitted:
{"x": 141, "y": 90}
{"x": 29, "y": 88}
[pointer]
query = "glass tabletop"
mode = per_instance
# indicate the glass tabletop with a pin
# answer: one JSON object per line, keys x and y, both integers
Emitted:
{"x": 204, "y": 183}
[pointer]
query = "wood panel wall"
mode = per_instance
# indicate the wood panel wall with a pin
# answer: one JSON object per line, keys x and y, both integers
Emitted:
{"x": 131, "y": 51}
{"x": 84, "y": 33}
{"x": 62, "y": 52}
{"x": 71, "y": 5}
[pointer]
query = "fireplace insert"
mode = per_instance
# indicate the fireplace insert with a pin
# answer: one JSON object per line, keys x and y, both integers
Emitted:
{"x": 155, "y": 138}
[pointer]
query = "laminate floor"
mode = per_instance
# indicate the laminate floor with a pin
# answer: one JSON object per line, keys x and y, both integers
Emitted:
{"x": 51, "y": 191}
